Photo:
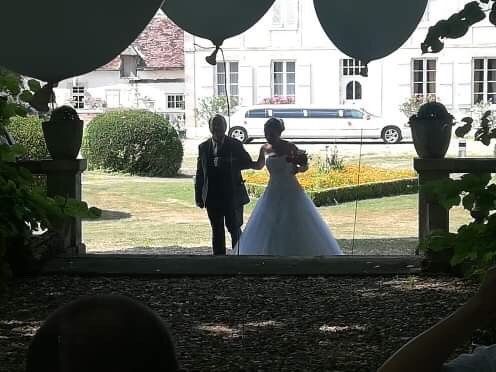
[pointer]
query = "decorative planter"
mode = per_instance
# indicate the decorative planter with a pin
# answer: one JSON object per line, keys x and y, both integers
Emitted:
{"x": 63, "y": 138}
{"x": 431, "y": 137}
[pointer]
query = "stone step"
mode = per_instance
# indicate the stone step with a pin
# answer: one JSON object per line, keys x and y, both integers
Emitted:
{"x": 176, "y": 265}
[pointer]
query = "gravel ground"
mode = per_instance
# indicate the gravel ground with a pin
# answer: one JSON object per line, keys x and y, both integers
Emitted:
{"x": 254, "y": 324}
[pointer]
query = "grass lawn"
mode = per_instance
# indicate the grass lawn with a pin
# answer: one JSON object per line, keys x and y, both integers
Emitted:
{"x": 156, "y": 212}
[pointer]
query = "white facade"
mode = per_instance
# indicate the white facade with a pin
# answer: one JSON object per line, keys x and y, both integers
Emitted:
{"x": 291, "y": 33}
{"x": 106, "y": 90}
{"x": 149, "y": 74}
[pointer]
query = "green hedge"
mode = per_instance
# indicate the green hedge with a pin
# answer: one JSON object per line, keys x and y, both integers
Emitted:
{"x": 350, "y": 193}
{"x": 133, "y": 141}
{"x": 27, "y": 132}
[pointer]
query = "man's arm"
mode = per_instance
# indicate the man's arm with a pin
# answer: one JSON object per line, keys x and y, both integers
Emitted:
{"x": 199, "y": 180}
{"x": 241, "y": 158}
{"x": 430, "y": 350}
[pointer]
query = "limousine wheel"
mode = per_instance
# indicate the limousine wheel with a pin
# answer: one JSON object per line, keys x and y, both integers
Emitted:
{"x": 391, "y": 135}
{"x": 239, "y": 133}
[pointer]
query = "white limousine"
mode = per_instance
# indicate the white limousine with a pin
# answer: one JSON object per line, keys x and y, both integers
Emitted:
{"x": 316, "y": 123}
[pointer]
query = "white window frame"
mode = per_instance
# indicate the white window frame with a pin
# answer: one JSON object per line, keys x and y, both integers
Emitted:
{"x": 424, "y": 81}
{"x": 177, "y": 101}
{"x": 284, "y": 22}
{"x": 228, "y": 76}
{"x": 107, "y": 91}
{"x": 78, "y": 93}
{"x": 485, "y": 82}
{"x": 354, "y": 85}
{"x": 350, "y": 65}
{"x": 133, "y": 74}
{"x": 284, "y": 73}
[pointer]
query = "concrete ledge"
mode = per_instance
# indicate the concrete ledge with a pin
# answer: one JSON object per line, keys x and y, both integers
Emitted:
{"x": 140, "y": 265}
{"x": 47, "y": 166}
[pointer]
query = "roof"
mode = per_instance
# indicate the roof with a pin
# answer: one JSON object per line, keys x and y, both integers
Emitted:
{"x": 160, "y": 46}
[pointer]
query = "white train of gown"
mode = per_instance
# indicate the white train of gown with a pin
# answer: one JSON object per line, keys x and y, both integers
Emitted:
{"x": 285, "y": 222}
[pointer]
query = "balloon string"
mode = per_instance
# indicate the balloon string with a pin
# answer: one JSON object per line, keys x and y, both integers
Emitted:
{"x": 357, "y": 191}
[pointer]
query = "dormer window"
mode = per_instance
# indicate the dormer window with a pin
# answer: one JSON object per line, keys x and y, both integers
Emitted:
{"x": 129, "y": 66}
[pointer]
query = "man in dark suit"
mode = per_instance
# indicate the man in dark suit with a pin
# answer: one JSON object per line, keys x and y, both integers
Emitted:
{"x": 218, "y": 184}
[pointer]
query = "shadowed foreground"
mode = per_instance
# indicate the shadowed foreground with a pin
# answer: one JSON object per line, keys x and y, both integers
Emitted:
{"x": 246, "y": 323}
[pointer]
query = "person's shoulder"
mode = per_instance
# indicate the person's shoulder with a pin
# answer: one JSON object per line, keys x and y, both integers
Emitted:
{"x": 234, "y": 141}
{"x": 289, "y": 145}
{"x": 204, "y": 143}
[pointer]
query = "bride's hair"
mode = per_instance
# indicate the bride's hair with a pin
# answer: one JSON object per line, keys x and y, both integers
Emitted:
{"x": 275, "y": 123}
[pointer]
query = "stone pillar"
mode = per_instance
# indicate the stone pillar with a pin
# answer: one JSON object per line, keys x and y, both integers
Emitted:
{"x": 432, "y": 216}
{"x": 63, "y": 179}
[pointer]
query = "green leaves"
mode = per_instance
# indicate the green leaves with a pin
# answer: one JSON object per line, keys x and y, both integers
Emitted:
{"x": 28, "y": 132}
{"x": 133, "y": 141}
{"x": 454, "y": 27}
{"x": 14, "y": 95}
{"x": 26, "y": 96}
{"x": 34, "y": 85}
{"x": 462, "y": 131}
{"x": 473, "y": 247}
{"x": 74, "y": 208}
{"x": 468, "y": 201}
{"x": 474, "y": 182}
{"x": 10, "y": 153}
{"x": 10, "y": 82}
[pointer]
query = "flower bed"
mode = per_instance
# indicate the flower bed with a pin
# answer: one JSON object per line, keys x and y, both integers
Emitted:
{"x": 339, "y": 186}
{"x": 315, "y": 179}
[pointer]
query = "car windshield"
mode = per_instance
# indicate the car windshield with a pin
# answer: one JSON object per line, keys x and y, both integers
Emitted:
{"x": 368, "y": 113}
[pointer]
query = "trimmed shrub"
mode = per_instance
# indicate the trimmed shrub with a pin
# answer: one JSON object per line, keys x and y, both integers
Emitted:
{"x": 133, "y": 141}
{"x": 27, "y": 132}
{"x": 351, "y": 193}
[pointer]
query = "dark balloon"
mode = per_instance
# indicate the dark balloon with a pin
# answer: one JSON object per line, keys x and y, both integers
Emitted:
{"x": 369, "y": 30}
{"x": 216, "y": 20}
{"x": 56, "y": 39}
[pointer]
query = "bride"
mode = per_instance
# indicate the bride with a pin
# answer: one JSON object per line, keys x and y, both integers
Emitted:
{"x": 285, "y": 221}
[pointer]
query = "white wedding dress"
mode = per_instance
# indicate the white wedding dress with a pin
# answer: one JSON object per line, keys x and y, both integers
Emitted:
{"x": 285, "y": 222}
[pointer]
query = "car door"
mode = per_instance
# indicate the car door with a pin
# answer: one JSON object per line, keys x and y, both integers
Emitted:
{"x": 294, "y": 121}
{"x": 361, "y": 125}
{"x": 325, "y": 123}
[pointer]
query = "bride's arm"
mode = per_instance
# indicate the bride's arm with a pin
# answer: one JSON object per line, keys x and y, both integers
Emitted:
{"x": 259, "y": 164}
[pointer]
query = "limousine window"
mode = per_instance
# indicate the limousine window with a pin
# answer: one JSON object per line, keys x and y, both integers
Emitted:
{"x": 258, "y": 113}
{"x": 287, "y": 113}
{"x": 353, "y": 114}
{"x": 323, "y": 113}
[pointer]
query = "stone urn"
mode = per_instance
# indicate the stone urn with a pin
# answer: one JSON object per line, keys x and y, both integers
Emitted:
{"x": 63, "y": 133}
{"x": 431, "y": 130}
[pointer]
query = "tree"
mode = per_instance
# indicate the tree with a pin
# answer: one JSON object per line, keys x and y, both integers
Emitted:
{"x": 209, "y": 106}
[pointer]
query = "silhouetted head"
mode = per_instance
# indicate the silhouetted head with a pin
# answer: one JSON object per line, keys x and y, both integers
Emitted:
{"x": 218, "y": 127}
{"x": 102, "y": 334}
{"x": 273, "y": 129}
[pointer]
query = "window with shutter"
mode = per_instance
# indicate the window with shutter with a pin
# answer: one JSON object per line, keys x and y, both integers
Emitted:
{"x": 285, "y": 14}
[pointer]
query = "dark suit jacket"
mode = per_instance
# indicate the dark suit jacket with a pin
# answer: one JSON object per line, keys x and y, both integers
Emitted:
{"x": 234, "y": 159}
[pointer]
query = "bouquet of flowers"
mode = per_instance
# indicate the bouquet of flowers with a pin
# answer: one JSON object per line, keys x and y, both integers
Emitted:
{"x": 298, "y": 157}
